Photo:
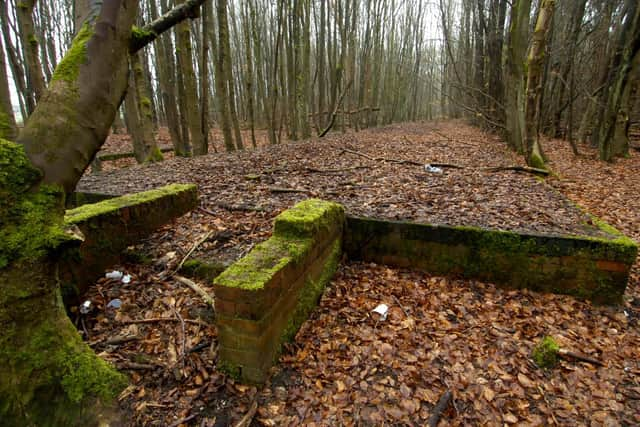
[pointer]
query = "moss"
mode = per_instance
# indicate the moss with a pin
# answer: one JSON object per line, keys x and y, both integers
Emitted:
{"x": 154, "y": 156}
{"x": 206, "y": 271}
{"x": 82, "y": 213}
{"x": 69, "y": 67}
{"x": 256, "y": 269}
{"x": 232, "y": 370}
{"x": 545, "y": 353}
{"x": 311, "y": 293}
{"x": 536, "y": 161}
{"x": 7, "y": 129}
{"x": 29, "y": 225}
{"x": 308, "y": 218}
{"x": 139, "y": 35}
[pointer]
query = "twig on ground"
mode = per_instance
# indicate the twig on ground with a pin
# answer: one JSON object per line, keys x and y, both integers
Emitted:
{"x": 287, "y": 190}
{"x": 164, "y": 319}
{"x": 248, "y": 417}
{"x": 197, "y": 289}
{"x": 133, "y": 366}
{"x": 193, "y": 248}
{"x": 183, "y": 337}
{"x": 114, "y": 341}
{"x": 182, "y": 421}
{"x": 516, "y": 168}
{"x": 308, "y": 169}
{"x": 401, "y": 306}
{"x": 440, "y": 407}
{"x": 241, "y": 208}
{"x": 569, "y": 355}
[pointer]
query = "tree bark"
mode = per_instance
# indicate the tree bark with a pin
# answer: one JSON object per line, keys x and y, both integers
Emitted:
{"x": 35, "y": 77}
{"x": 48, "y": 376}
{"x": 536, "y": 62}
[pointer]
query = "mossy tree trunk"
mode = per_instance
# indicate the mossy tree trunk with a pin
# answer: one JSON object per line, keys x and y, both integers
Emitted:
{"x": 144, "y": 143}
{"x": 535, "y": 66}
{"x": 48, "y": 376}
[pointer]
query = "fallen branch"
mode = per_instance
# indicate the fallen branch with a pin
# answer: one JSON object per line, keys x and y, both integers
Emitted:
{"x": 308, "y": 169}
{"x": 135, "y": 366}
{"x": 241, "y": 208}
{"x": 193, "y": 248}
{"x": 163, "y": 319}
{"x": 114, "y": 341}
{"x": 526, "y": 169}
{"x": 197, "y": 289}
{"x": 287, "y": 190}
{"x": 569, "y": 355}
{"x": 248, "y": 417}
{"x": 440, "y": 407}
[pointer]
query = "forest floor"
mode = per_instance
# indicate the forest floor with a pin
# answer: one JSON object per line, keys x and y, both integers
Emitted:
{"x": 344, "y": 368}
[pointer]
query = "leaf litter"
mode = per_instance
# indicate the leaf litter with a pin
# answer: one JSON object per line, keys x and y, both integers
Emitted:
{"x": 345, "y": 366}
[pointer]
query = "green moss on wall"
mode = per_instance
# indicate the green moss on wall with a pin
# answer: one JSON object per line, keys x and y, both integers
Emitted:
{"x": 308, "y": 218}
{"x": 69, "y": 67}
{"x": 83, "y": 213}
{"x": 256, "y": 269}
{"x": 311, "y": 292}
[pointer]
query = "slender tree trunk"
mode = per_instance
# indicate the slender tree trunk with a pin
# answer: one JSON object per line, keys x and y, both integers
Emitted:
{"x": 35, "y": 77}
{"x": 535, "y": 66}
{"x": 221, "y": 81}
{"x": 192, "y": 110}
{"x": 144, "y": 143}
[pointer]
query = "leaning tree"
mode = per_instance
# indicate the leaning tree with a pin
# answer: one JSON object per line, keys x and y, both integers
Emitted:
{"x": 48, "y": 375}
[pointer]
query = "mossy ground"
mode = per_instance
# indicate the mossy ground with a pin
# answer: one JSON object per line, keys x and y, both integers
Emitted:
{"x": 545, "y": 353}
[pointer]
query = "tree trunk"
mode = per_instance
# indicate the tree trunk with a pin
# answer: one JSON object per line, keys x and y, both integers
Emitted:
{"x": 35, "y": 77}
{"x": 221, "y": 81}
{"x": 145, "y": 147}
{"x": 192, "y": 109}
{"x": 536, "y": 62}
{"x": 48, "y": 376}
{"x": 619, "y": 76}
{"x": 7, "y": 119}
{"x": 515, "y": 74}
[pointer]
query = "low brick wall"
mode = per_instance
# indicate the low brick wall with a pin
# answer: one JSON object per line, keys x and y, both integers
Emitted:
{"x": 112, "y": 225}
{"x": 590, "y": 268}
{"x": 262, "y": 299}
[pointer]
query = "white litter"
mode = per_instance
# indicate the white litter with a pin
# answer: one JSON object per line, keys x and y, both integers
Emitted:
{"x": 432, "y": 169}
{"x": 85, "y": 307}
{"x": 382, "y": 310}
{"x": 126, "y": 279}
{"x": 115, "y": 274}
